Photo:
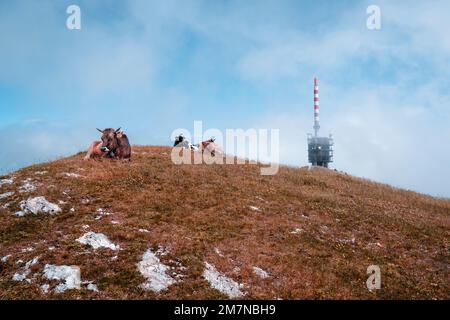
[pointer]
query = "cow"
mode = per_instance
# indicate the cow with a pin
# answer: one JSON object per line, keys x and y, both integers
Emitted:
{"x": 182, "y": 142}
{"x": 114, "y": 144}
{"x": 210, "y": 146}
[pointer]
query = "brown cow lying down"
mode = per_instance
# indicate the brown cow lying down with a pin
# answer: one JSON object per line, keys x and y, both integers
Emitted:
{"x": 114, "y": 144}
{"x": 210, "y": 146}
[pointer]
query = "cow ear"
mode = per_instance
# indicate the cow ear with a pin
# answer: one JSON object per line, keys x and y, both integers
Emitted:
{"x": 118, "y": 130}
{"x": 99, "y": 130}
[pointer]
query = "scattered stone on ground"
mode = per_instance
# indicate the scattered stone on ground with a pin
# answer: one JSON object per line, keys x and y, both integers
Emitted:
{"x": 101, "y": 213}
{"x": 255, "y": 208}
{"x": 260, "y": 272}
{"x": 71, "y": 275}
{"x": 216, "y": 250}
{"x": 222, "y": 283}
{"x": 297, "y": 231}
{"x": 27, "y": 186}
{"x": 37, "y": 205}
{"x": 6, "y": 181}
{"x": 260, "y": 199}
{"x": 26, "y": 271}
{"x": 347, "y": 241}
{"x": 21, "y": 276}
{"x": 155, "y": 272}
{"x": 97, "y": 240}
{"x": 6, "y": 205}
{"x": 162, "y": 251}
{"x": 6, "y": 195}
{"x": 45, "y": 288}
{"x": 372, "y": 245}
{"x": 92, "y": 287}
{"x": 72, "y": 175}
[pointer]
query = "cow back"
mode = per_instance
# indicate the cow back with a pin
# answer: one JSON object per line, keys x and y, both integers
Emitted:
{"x": 124, "y": 149}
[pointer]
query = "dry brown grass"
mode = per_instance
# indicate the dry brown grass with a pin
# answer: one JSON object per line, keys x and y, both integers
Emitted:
{"x": 193, "y": 209}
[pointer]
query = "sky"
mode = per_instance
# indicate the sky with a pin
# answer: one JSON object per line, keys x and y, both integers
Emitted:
{"x": 151, "y": 67}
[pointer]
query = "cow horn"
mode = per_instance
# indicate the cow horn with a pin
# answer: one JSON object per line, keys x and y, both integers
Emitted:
{"x": 99, "y": 130}
{"x": 118, "y": 129}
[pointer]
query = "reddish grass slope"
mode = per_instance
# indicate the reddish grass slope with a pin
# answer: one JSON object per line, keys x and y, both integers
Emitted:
{"x": 202, "y": 213}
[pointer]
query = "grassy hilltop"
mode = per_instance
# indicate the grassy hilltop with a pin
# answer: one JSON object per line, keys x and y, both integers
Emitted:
{"x": 301, "y": 234}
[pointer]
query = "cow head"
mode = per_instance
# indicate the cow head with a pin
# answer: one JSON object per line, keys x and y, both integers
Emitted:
{"x": 109, "y": 139}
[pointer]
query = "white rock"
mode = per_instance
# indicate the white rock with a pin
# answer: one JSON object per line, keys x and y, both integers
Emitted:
{"x": 72, "y": 175}
{"x": 92, "y": 287}
{"x": 28, "y": 249}
{"x": 27, "y": 186}
{"x": 6, "y": 206}
{"x": 71, "y": 275}
{"x": 143, "y": 230}
{"x": 37, "y": 205}
{"x": 60, "y": 288}
{"x": 348, "y": 241}
{"x": 296, "y": 231}
{"x": 222, "y": 283}
{"x": 260, "y": 272}
{"x": 6, "y": 181}
{"x": 51, "y": 248}
{"x": 72, "y": 210}
{"x": 21, "y": 276}
{"x": 40, "y": 173}
{"x": 162, "y": 251}
{"x": 31, "y": 263}
{"x": 216, "y": 250}
{"x": 6, "y": 195}
{"x": 155, "y": 273}
{"x": 114, "y": 222}
{"x": 255, "y": 208}
{"x": 102, "y": 212}
{"x": 97, "y": 240}
{"x": 5, "y": 258}
{"x": 260, "y": 199}
{"x": 45, "y": 288}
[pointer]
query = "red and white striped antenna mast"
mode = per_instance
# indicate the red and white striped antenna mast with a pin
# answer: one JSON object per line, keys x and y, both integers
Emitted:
{"x": 316, "y": 106}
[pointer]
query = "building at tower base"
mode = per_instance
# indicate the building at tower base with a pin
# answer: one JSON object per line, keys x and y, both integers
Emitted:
{"x": 320, "y": 150}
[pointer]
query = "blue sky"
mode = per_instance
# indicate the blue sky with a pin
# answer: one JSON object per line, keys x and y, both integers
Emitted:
{"x": 154, "y": 66}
